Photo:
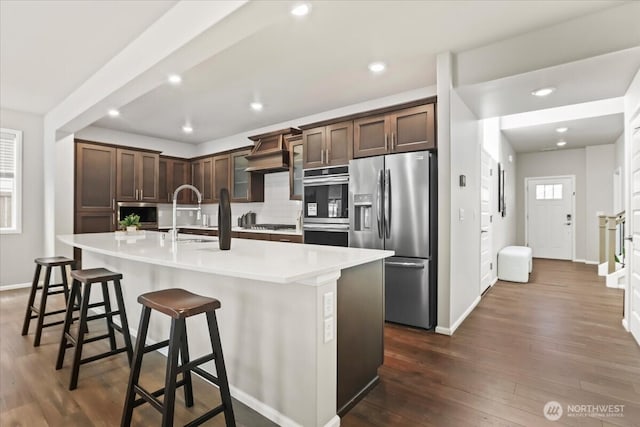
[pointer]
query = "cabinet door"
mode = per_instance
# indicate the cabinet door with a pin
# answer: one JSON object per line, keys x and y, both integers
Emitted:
{"x": 253, "y": 236}
{"x": 164, "y": 177}
{"x": 339, "y": 144}
{"x": 295, "y": 170}
{"x": 95, "y": 222}
{"x": 413, "y": 129}
{"x": 196, "y": 179}
{"x": 95, "y": 177}
{"x": 314, "y": 144}
{"x": 126, "y": 186}
{"x": 371, "y": 136}
{"x": 147, "y": 176}
{"x": 179, "y": 176}
{"x": 221, "y": 175}
{"x": 240, "y": 177}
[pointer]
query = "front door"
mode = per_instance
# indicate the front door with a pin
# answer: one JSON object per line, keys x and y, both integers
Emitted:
{"x": 550, "y": 217}
{"x": 634, "y": 259}
{"x": 486, "y": 254}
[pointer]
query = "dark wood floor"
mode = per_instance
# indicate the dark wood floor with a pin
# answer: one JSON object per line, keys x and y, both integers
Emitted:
{"x": 556, "y": 338}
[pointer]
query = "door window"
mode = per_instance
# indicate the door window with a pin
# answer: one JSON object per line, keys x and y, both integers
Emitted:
{"x": 548, "y": 191}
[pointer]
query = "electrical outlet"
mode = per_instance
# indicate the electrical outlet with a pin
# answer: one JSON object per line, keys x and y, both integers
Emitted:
{"x": 328, "y": 329}
{"x": 328, "y": 304}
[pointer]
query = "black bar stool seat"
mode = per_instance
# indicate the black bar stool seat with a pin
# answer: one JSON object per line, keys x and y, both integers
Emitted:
{"x": 81, "y": 286}
{"x": 47, "y": 289}
{"x": 178, "y": 304}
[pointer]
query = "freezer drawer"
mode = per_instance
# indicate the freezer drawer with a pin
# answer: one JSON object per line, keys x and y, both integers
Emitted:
{"x": 407, "y": 292}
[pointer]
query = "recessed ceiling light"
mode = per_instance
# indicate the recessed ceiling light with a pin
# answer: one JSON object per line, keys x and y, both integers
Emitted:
{"x": 561, "y": 143}
{"x": 174, "y": 79}
{"x": 562, "y": 130}
{"x": 377, "y": 67}
{"x": 543, "y": 91}
{"x": 256, "y": 106}
{"x": 301, "y": 9}
{"x": 113, "y": 113}
{"x": 187, "y": 129}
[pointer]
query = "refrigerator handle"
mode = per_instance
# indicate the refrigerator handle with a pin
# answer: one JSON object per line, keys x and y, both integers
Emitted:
{"x": 387, "y": 203}
{"x": 379, "y": 204}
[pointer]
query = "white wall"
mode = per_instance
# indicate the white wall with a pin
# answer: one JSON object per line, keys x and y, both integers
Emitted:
{"x": 504, "y": 228}
{"x": 593, "y": 168}
{"x": 64, "y": 200}
{"x": 17, "y": 251}
{"x": 600, "y": 165}
{"x": 553, "y": 163}
{"x": 110, "y": 136}
{"x": 465, "y": 216}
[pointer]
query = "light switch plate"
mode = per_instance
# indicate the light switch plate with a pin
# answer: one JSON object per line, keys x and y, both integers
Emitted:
{"x": 328, "y": 304}
{"x": 328, "y": 329}
{"x": 461, "y": 214}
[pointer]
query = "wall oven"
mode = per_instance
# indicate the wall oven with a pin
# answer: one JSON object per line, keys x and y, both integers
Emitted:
{"x": 326, "y": 206}
{"x": 148, "y": 213}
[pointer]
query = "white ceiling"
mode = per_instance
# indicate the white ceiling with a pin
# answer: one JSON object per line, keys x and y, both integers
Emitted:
{"x": 600, "y": 77}
{"x": 49, "y": 48}
{"x": 304, "y": 66}
{"x": 581, "y": 133}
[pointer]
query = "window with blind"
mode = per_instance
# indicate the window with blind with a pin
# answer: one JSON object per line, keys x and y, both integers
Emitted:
{"x": 10, "y": 180}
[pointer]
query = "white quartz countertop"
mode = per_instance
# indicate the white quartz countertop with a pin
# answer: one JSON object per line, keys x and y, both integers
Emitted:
{"x": 269, "y": 261}
{"x": 288, "y": 231}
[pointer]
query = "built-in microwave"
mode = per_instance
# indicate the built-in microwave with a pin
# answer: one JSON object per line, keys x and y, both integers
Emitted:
{"x": 148, "y": 213}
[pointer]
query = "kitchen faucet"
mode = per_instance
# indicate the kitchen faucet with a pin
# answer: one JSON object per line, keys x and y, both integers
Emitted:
{"x": 174, "y": 230}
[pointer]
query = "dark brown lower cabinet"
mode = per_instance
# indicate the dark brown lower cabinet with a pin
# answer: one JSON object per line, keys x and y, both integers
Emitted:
{"x": 95, "y": 222}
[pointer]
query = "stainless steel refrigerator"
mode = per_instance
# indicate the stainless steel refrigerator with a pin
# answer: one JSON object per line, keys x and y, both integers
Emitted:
{"x": 390, "y": 201}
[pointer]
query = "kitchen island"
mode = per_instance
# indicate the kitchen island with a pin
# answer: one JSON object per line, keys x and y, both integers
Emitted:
{"x": 301, "y": 325}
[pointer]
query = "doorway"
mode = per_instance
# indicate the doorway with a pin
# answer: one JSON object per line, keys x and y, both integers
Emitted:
{"x": 550, "y": 216}
{"x": 486, "y": 229}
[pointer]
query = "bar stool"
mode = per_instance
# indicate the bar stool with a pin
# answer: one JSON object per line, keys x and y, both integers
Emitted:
{"x": 47, "y": 289}
{"x": 178, "y": 304}
{"x": 84, "y": 279}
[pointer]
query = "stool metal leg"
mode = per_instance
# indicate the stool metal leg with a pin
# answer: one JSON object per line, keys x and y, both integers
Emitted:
{"x": 109, "y": 318}
{"x": 225, "y": 394}
{"x": 43, "y": 306}
{"x": 175, "y": 337}
{"x": 123, "y": 320}
{"x": 134, "y": 376}
{"x": 32, "y": 298}
{"x": 186, "y": 375}
{"x": 68, "y": 319}
{"x": 75, "y": 368}
{"x": 65, "y": 284}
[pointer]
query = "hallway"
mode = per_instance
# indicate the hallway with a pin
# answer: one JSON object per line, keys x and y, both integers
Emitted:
{"x": 559, "y": 337}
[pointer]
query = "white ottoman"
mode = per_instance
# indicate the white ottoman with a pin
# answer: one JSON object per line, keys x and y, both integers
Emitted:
{"x": 515, "y": 263}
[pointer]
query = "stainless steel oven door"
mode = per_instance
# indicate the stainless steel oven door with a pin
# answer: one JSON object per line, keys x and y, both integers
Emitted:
{"x": 326, "y": 197}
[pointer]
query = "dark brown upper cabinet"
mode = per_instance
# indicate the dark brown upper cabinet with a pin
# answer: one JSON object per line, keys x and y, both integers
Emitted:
{"x": 95, "y": 178}
{"x": 296, "y": 154}
{"x": 270, "y": 152}
{"x": 202, "y": 179}
{"x": 172, "y": 173}
{"x": 409, "y": 129}
{"x": 221, "y": 175}
{"x": 137, "y": 175}
{"x": 245, "y": 186}
{"x": 330, "y": 145}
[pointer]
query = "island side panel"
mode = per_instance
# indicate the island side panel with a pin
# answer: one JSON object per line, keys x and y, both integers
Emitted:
{"x": 360, "y": 331}
{"x": 277, "y": 361}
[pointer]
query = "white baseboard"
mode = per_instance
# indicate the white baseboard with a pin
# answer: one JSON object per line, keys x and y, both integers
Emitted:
{"x": 16, "y": 286}
{"x": 591, "y": 262}
{"x": 578, "y": 260}
{"x": 494, "y": 281}
{"x": 457, "y": 323}
{"x": 333, "y": 422}
{"x": 625, "y": 325}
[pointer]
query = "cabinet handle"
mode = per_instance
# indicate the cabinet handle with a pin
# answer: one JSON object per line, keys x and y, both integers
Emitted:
{"x": 386, "y": 143}
{"x": 327, "y": 156}
{"x": 136, "y": 194}
{"x": 285, "y": 240}
{"x": 247, "y": 194}
{"x": 322, "y": 156}
{"x": 113, "y": 218}
{"x": 113, "y": 204}
{"x": 141, "y": 194}
{"x": 392, "y": 139}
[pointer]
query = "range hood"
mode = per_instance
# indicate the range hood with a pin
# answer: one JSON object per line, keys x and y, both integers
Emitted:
{"x": 270, "y": 152}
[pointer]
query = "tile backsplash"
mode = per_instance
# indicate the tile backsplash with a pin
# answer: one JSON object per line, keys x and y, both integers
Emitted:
{"x": 276, "y": 208}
